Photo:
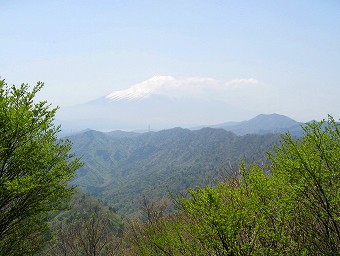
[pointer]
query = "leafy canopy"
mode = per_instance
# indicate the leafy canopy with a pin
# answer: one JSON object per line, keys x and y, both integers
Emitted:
{"x": 35, "y": 167}
{"x": 291, "y": 207}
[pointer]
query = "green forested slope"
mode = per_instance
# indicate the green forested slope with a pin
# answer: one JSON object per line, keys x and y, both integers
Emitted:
{"x": 120, "y": 170}
{"x": 89, "y": 227}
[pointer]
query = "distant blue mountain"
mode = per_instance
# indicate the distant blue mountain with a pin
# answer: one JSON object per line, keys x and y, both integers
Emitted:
{"x": 264, "y": 124}
{"x": 156, "y": 111}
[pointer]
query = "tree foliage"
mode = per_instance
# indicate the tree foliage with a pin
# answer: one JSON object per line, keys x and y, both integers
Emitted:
{"x": 292, "y": 209}
{"x": 35, "y": 167}
{"x": 88, "y": 228}
{"x": 311, "y": 168}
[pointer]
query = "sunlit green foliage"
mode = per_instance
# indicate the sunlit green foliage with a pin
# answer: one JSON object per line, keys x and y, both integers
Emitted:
{"x": 34, "y": 169}
{"x": 291, "y": 209}
{"x": 310, "y": 167}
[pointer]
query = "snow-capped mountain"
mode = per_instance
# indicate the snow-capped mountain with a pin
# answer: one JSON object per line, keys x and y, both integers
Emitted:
{"x": 157, "y": 85}
{"x": 160, "y": 102}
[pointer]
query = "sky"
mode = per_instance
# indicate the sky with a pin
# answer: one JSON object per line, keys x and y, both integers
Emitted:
{"x": 282, "y": 56}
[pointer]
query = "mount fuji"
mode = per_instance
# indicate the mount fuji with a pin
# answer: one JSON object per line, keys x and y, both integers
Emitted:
{"x": 158, "y": 103}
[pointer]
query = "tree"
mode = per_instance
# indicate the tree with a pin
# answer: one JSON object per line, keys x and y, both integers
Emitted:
{"x": 310, "y": 166}
{"x": 35, "y": 167}
{"x": 291, "y": 207}
{"x": 89, "y": 228}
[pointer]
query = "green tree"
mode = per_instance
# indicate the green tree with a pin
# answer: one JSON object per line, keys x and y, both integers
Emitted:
{"x": 291, "y": 207}
{"x": 35, "y": 167}
{"x": 310, "y": 168}
{"x": 88, "y": 228}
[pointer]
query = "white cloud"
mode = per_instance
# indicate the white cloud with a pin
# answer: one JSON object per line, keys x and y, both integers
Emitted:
{"x": 243, "y": 82}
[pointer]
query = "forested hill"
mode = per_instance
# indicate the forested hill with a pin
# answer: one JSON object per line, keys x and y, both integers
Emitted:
{"x": 264, "y": 124}
{"x": 120, "y": 169}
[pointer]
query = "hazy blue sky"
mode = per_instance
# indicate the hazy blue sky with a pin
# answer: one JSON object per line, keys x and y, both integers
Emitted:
{"x": 83, "y": 50}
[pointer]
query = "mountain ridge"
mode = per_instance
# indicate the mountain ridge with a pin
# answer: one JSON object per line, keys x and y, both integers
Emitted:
{"x": 120, "y": 170}
{"x": 260, "y": 124}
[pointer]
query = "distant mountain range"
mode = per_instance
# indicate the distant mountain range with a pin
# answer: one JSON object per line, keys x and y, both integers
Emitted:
{"x": 121, "y": 166}
{"x": 157, "y": 112}
{"x": 164, "y": 102}
{"x": 161, "y": 102}
{"x": 261, "y": 124}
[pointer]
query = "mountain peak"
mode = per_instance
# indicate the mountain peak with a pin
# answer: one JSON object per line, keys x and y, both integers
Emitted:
{"x": 270, "y": 118}
{"x": 142, "y": 90}
{"x": 191, "y": 87}
{"x": 164, "y": 102}
{"x": 263, "y": 123}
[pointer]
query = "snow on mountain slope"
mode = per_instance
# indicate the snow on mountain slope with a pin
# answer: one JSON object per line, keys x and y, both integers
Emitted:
{"x": 144, "y": 89}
